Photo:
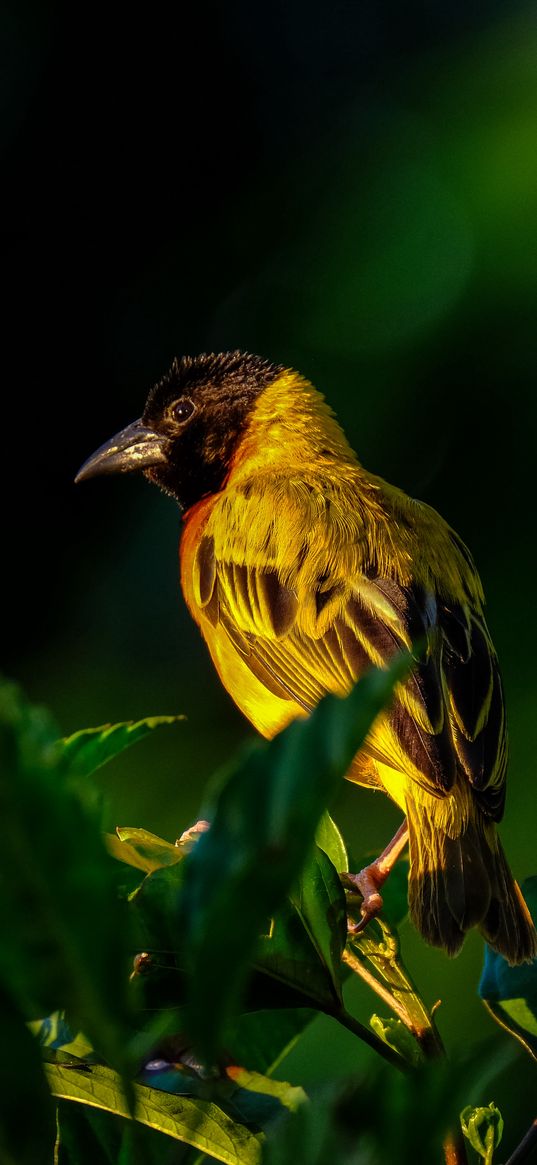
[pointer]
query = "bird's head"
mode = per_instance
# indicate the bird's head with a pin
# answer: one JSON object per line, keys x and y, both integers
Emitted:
{"x": 191, "y": 425}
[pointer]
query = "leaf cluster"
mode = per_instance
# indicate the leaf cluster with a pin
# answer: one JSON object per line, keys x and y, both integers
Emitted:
{"x": 166, "y": 981}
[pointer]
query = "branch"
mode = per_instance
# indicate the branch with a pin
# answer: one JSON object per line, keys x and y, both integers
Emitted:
{"x": 392, "y": 983}
{"x": 368, "y": 977}
{"x": 353, "y": 1025}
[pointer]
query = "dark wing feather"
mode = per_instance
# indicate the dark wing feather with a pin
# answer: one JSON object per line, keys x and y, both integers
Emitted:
{"x": 477, "y": 712}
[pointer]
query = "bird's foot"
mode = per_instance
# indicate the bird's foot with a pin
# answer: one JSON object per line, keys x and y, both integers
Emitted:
{"x": 367, "y": 883}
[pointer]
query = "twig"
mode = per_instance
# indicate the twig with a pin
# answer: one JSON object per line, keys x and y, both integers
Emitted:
{"x": 397, "y": 989}
{"x": 358, "y": 967}
{"x": 526, "y": 1146}
{"x": 392, "y": 983}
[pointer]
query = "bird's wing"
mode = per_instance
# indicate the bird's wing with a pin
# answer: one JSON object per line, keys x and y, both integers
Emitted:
{"x": 474, "y": 695}
{"x": 304, "y": 636}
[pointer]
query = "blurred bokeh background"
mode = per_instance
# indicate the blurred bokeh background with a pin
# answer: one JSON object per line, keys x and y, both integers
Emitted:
{"x": 350, "y": 188}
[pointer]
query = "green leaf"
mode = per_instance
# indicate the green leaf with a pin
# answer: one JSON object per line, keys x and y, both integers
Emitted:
{"x": 261, "y": 1039}
{"x": 396, "y": 1035}
{"x": 259, "y": 1100}
{"x": 155, "y": 910}
{"x": 263, "y": 823}
{"x": 395, "y": 894}
{"x": 250, "y": 1097}
{"x": 382, "y": 1117}
{"x": 308, "y": 1135}
{"x": 378, "y": 946}
{"x": 348, "y": 1123}
{"x": 199, "y": 1123}
{"x": 64, "y": 931}
{"x": 510, "y": 993}
{"x": 287, "y": 953}
{"x": 145, "y": 851}
{"x": 54, "y": 1032}
{"x": 91, "y": 1136}
{"x": 329, "y": 839}
{"x": 223, "y": 1117}
{"x": 142, "y": 850}
{"x": 89, "y": 749}
{"x": 319, "y": 900}
{"x": 27, "y": 1125}
{"x": 87, "y": 1136}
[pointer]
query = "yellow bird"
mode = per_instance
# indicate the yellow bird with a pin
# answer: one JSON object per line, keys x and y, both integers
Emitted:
{"x": 302, "y": 570}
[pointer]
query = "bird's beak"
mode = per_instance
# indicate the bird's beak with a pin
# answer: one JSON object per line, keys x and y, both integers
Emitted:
{"x": 136, "y": 447}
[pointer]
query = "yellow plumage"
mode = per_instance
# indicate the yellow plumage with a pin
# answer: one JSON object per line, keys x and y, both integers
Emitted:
{"x": 303, "y": 571}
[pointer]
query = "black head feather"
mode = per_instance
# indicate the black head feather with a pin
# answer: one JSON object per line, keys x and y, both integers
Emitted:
{"x": 223, "y": 389}
{"x": 237, "y": 373}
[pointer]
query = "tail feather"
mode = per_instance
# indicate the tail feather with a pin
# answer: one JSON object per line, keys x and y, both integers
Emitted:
{"x": 507, "y": 925}
{"x": 456, "y": 883}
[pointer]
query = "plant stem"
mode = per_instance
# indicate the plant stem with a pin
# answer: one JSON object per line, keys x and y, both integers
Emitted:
{"x": 368, "y": 1037}
{"x": 392, "y": 983}
{"x": 358, "y": 967}
{"x": 397, "y": 990}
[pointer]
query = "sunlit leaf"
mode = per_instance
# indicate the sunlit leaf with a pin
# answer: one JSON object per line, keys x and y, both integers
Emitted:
{"x": 141, "y": 849}
{"x": 224, "y": 1118}
{"x": 145, "y": 851}
{"x": 397, "y": 1036}
{"x": 251, "y": 1097}
{"x": 259, "y": 1100}
{"x": 329, "y": 839}
{"x": 199, "y": 1123}
{"x": 91, "y": 748}
{"x": 54, "y": 1032}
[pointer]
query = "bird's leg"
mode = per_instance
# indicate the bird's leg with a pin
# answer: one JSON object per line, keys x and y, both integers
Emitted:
{"x": 372, "y": 877}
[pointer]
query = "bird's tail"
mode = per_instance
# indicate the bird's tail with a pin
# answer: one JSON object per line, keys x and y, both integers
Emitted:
{"x": 459, "y": 882}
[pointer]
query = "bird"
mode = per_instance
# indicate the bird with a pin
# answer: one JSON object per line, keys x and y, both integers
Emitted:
{"x": 302, "y": 570}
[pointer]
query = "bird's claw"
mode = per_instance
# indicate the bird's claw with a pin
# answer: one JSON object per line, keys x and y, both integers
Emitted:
{"x": 366, "y": 883}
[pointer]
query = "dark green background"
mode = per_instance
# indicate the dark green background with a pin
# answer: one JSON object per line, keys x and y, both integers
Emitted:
{"x": 350, "y": 188}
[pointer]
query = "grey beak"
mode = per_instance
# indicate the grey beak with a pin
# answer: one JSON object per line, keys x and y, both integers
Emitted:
{"x": 135, "y": 447}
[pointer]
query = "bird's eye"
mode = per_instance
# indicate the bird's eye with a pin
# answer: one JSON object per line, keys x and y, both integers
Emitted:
{"x": 182, "y": 411}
